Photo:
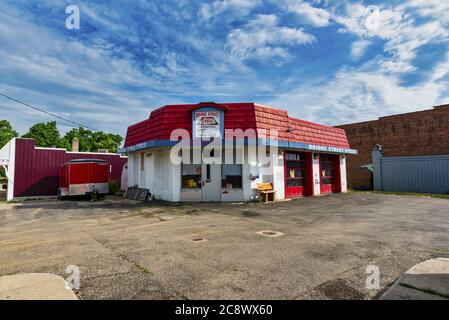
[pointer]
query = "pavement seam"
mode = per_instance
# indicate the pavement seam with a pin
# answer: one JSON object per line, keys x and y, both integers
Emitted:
{"x": 425, "y": 290}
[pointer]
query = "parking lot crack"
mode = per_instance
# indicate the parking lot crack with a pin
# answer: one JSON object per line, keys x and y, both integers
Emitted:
{"x": 140, "y": 267}
{"x": 135, "y": 264}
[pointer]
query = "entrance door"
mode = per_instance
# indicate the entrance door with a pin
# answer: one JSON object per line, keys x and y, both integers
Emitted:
{"x": 297, "y": 166}
{"x": 211, "y": 182}
{"x": 329, "y": 173}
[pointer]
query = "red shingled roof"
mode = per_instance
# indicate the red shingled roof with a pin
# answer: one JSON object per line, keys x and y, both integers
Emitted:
{"x": 237, "y": 116}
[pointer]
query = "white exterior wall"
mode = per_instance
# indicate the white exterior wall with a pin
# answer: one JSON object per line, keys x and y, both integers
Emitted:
{"x": 160, "y": 175}
{"x": 163, "y": 178}
{"x": 142, "y": 172}
{"x": 8, "y": 152}
{"x": 249, "y": 185}
{"x": 279, "y": 175}
{"x": 132, "y": 179}
{"x": 344, "y": 184}
{"x": 316, "y": 174}
{"x": 149, "y": 170}
{"x": 273, "y": 174}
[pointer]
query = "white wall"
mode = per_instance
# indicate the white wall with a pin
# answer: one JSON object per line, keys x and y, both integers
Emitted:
{"x": 131, "y": 172}
{"x": 273, "y": 173}
{"x": 248, "y": 184}
{"x": 8, "y": 152}
{"x": 316, "y": 174}
{"x": 344, "y": 184}
{"x": 160, "y": 175}
{"x": 163, "y": 178}
{"x": 279, "y": 175}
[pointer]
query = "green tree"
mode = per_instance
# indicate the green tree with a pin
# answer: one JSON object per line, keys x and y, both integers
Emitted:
{"x": 46, "y": 135}
{"x": 84, "y": 136}
{"x": 102, "y": 140}
{"x": 92, "y": 141}
{"x": 6, "y": 132}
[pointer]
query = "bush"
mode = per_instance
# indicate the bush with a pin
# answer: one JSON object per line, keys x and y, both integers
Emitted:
{"x": 113, "y": 187}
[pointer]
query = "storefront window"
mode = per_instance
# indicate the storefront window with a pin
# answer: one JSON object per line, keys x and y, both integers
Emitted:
{"x": 191, "y": 176}
{"x": 295, "y": 170}
{"x": 231, "y": 176}
{"x": 327, "y": 168}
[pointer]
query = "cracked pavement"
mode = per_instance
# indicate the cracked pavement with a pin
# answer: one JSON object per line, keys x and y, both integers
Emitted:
{"x": 132, "y": 250}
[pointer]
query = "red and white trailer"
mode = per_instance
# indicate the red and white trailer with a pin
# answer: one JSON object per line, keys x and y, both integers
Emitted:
{"x": 84, "y": 177}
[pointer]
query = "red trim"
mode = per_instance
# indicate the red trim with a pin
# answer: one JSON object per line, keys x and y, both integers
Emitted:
{"x": 298, "y": 191}
{"x": 209, "y": 104}
{"x": 310, "y": 176}
{"x": 37, "y": 170}
{"x": 243, "y": 116}
{"x": 285, "y": 175}
{"x": 335, "y": 186}
{"x": 337, "y": 172}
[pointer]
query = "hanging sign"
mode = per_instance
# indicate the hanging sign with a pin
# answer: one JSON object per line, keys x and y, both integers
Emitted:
{"x": 4, "y": 161}
{"x": 207, "y": 124}
{"x": 292, "y": 157}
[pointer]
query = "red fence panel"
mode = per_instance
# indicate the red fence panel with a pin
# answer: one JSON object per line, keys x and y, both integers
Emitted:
{"x": 36, "y": 170}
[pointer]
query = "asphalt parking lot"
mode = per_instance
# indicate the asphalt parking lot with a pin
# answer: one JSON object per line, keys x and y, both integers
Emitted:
{"x": 131, "y": 250}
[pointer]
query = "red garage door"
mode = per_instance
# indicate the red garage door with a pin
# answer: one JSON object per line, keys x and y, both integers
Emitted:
{"x": 298, "y": 168}
{"x": 330, "y": 173}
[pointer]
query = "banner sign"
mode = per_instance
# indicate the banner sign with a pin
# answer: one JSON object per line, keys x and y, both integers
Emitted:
{"x": 331, "y": 149}
{"x": 207, "y": 124}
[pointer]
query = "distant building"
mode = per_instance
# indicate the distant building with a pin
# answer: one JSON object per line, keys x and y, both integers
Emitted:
{"x": 421, "y": 133}
{"x": 34, "y": 171}
{"x": 309, "y": 157}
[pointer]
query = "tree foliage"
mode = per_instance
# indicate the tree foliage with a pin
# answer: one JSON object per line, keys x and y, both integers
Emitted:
{"x": 46, "y": 135}
{"x": 6, "y": 132}
{"x": 90, "y": 141}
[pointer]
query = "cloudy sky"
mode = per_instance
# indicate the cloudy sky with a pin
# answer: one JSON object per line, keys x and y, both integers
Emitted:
{"x": 328, "y": 61}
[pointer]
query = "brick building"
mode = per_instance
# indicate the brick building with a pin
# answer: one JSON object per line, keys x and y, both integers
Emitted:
{"x": 418, "y": 133}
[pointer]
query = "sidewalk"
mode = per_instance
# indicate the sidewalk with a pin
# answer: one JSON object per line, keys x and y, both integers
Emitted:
{"x": 428, "y": 280}
{"x": 34, "y": 286}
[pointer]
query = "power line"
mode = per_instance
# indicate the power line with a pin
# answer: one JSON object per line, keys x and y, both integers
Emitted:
{"x": 42, "y": 117}
{"x": 46, "y": 112}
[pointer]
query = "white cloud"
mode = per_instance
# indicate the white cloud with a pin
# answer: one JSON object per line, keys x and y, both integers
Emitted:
{"x": 307, "y": 14}
{"x": 358, "y": 48}
{"x": 171, "y": 67}
{"x": 377, "y": 88}
{"x": 235, "y": 8}
{"x": 262, "y": 38}
{"x": 397, "y": 28}
{"x": 359, "y": 95}
{"x": 60, "y": 75}
{"x": 429, "y": 8}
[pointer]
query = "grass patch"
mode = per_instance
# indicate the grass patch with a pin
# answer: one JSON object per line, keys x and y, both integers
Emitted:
{"x": 416, "y": 194}
{"x": 114, "y": 187}
{"x": 137, "y": 265}
{"x": 144, "y": 269}
{"x": 425, "y": 290}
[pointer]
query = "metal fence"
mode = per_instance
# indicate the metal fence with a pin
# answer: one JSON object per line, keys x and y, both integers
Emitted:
{"x": 429, "y": 174}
